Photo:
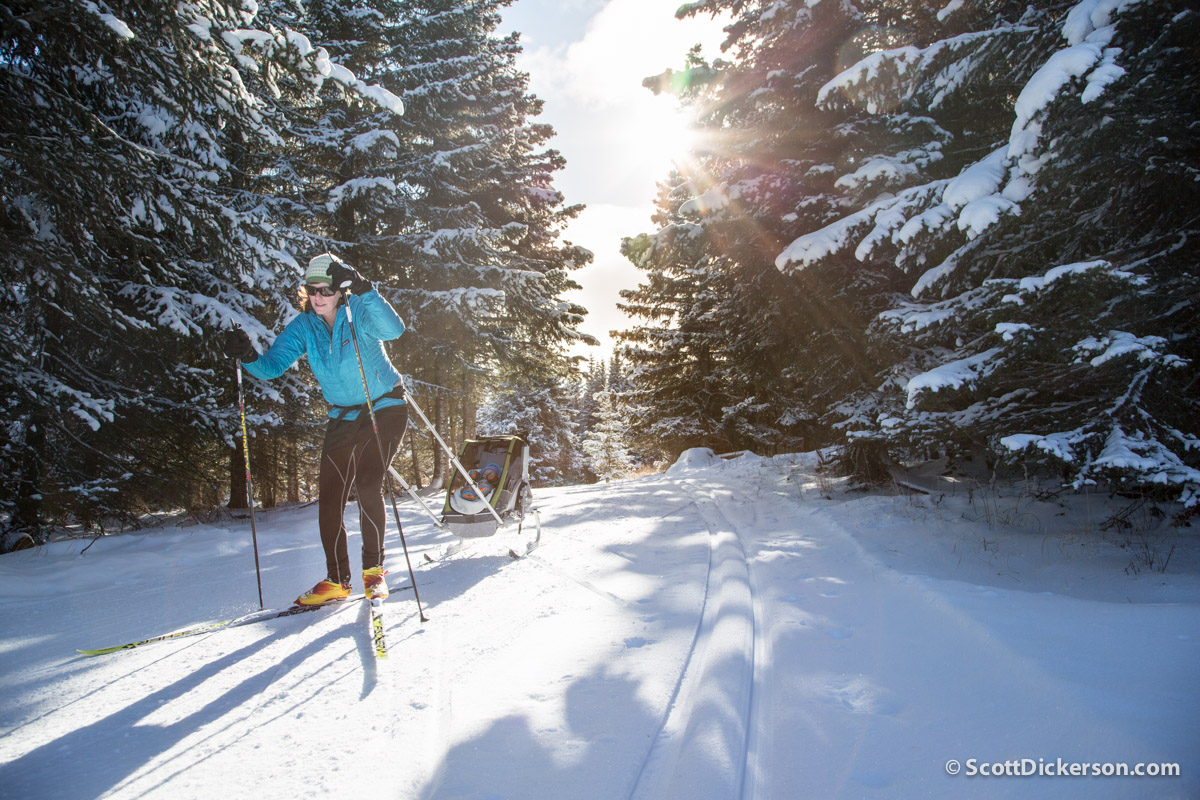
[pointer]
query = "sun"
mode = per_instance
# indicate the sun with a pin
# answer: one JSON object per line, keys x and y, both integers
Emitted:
{"x": 675, "y": 137}
{"x": 668, "y": 134}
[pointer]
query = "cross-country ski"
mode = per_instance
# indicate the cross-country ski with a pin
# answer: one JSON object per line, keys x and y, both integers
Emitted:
{"x": 211, "y": 627}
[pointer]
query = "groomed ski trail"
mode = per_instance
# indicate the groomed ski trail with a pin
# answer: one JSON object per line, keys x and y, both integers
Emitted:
{"x": 705, "y": 633}
{"x": 702, "y": 752}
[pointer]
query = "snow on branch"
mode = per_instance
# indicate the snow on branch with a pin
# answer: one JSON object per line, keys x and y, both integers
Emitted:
{"x": 1118, "y": 344}
{"x": 1027, "y": 287}
{"x": 954, "y": 375}
{"x": 712, "y": 200}
{"x": 972, "y": 202}
{"x": 92, "y": 410}
{"x": 314, "y": 62}
{"x": 1120, "y": 453}
{"x": 886, "y": 217}
{"x": 884, "y": 79}
{"x": 355, "y": 188}
{"x": 116, "y": 25}
{"x": 983, "y": 192}
{"x": 1089, "y": 29}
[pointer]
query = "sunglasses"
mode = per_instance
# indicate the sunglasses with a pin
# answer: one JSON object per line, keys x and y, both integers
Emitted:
{"x": 324, "y": 291}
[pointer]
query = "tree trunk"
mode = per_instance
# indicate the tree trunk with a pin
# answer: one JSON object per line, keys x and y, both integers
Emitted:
{"x": 266, "y": 471}
{"x": 469, "y": 406}
{"x": 237, "y": 477}
{"x": 27, "y": 514}
{"x": 292, "y": 466}
{"x": 416, "y": 459}
{"x": 439, "y": 457}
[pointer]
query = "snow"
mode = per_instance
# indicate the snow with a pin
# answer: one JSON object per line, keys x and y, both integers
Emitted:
{"x": 951, "y": 7}
{"x": 710, "y": 201}
{"x": 979, "y": 215}
{"x": 878, "y": 168}
{"x": 952, "y": 375}
{"x": 1059, "y": 70}
{"x": 1039, "y": 282}
{"x": 977, "y": 181}
{"x": 1059, "y": 445}
{"x": 1090, "y": 16}
{"x": 365, "y": 142}
{"x": 888, "y": 216}
{"x": 1122, "y": 343}
{"x": 116, "y": 25}
{"x": 734, "y": 627}
{"x": 355, "y": 188}
{"x": 1010, "y": 330}
{"x": 984, "y": 192}
{"x": 1088, "y": 28}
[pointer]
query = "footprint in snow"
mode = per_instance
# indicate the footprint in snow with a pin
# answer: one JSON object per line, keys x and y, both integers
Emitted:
{"x": 637, "y": 641}
{"x": 840, "y": 633}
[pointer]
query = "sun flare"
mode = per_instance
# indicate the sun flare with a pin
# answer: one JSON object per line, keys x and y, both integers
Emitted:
{"x": 666, "y": 137}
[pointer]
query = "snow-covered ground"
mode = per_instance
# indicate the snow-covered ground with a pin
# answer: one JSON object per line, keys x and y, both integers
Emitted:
{"x": 732, "y": 628}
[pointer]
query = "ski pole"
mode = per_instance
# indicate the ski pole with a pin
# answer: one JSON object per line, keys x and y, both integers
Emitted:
{"x": 382, "y": 458}
{"x": 249, "y": 484}
{"x": 406, "y": 486}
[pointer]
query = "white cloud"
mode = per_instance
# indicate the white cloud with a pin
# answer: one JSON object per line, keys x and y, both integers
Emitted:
{"x": 628, "y": 40}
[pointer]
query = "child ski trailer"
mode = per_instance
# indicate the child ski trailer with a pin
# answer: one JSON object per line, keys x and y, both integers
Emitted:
{"x": 490, "y": 488}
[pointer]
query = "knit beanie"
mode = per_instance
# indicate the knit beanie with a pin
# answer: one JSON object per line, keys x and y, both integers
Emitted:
{"x": 318, "y": 269}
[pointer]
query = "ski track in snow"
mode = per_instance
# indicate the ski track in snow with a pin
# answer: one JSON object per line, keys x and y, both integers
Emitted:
{"x": 713, "y": 632}
{"x": 700, "y": 755}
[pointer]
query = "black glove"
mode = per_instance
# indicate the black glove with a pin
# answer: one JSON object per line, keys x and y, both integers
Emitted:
{"x": 237, "y": 345}
{"x": 346, "y": 277}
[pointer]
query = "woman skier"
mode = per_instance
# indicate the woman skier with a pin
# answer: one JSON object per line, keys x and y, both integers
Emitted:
{"x": 350, "y": 456}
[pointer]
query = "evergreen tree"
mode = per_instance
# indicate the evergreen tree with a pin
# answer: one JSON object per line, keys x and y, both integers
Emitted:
{"x": 539, "y": 409}
{"x": 1047, "y": 315}
{"x": 676, "y": 392}
{"x": 958, "y": 196}
{"x": 776, "y": 353}
{"x": 587, "y": 406}
{"x": 134, "y": 236}
{"x": 604, "y": 444}
{"x": 452, "y": 206}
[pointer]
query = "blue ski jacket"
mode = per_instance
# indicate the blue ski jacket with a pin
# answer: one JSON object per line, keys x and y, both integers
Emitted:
{"x": 331, "y": 354}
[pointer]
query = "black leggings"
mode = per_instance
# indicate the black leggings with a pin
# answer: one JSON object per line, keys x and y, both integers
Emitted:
{"x": 350, "y": 458}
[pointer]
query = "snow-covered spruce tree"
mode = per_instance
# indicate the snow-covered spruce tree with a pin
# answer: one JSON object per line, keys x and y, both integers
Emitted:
{"x": 587, "y": 407}
{"x": 133, "y": 240}
{"x": 675, "y": 393}
{"x": 537, "y": 406}
{"x": 1052, "y": 311}
{"x": 451, "y": 206}
{"x": 782, "y": 351}
{"x": 604, "y": 444}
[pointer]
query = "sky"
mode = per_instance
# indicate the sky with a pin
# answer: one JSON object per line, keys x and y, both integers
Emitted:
{"x": 586, "y": 59}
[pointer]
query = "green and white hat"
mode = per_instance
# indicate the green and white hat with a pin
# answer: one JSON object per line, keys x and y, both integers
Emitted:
{"x": 318, "y": 269}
